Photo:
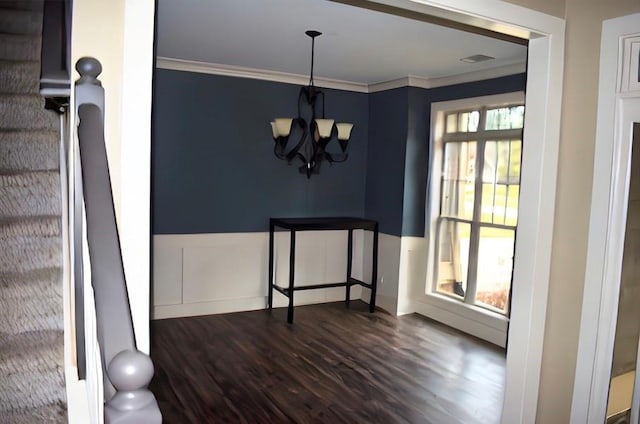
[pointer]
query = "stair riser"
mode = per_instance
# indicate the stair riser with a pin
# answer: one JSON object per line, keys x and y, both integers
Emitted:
{"x": 19, "y": 47}
{"x": 36, "y": 151}
{"x": 30, "y": 389}
{"x": 28, "y": 305}
{"x": 26, "y": 112}
{"x": 24, "y": 254}
{"x": 31, "y": 194}
{"x": 13, "y": 21}
{"x": 19, "y": 77}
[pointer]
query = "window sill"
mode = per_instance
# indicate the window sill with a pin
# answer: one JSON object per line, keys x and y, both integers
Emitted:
{"x": 470, "y": 319}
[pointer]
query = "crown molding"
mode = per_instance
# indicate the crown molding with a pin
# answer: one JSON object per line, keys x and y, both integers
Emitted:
{"x": 261, "y": 74}
{"x": 297, "y": 79}
{"x": 501, "y": 71}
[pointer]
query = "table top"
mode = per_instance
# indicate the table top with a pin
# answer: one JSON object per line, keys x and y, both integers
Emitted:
{"x": 325, "y": 223}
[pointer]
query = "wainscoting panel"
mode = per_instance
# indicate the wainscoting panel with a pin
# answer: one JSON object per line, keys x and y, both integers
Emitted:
{"x": 200, "y": 274}
{"x": 221, "y": 272}
{"x": 388, "y": 270}
{"x": 167, "y": 271}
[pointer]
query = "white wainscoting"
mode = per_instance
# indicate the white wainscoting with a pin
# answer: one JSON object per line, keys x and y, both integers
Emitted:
{"x": 199, "y": 274}
{"x": 388, "y": 269}
{"x": 416, "y": 274}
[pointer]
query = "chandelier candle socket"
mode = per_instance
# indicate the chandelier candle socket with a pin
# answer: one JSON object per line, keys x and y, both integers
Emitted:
{"x": 313, "y": 133}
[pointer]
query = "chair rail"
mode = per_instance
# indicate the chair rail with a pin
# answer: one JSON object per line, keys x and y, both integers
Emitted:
{"x": 127, "y": 370}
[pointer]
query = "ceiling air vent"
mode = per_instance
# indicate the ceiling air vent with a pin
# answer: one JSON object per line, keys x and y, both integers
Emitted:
{"x": 476, "y": 58}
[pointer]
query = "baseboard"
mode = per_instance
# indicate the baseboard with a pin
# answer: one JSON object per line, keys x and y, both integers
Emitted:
{"x": 489, "y": 330}
{"x": 209, "y": 307}
{"x": 225, "y": 306}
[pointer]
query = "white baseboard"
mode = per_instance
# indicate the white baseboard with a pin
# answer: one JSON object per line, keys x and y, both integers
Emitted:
{"x": 208, "y": 308}
{"x": 225, "y": 306}
{"x": 477, "y": 323}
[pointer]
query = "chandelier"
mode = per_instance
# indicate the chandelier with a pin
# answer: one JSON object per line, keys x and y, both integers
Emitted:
{"x": 312, "y": 136}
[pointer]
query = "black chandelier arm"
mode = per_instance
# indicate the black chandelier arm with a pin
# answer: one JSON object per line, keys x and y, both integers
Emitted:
{"x": 335, "y": 157}
{"x": 321, "y": 93}
{"x": 278, "y": 150}
{"x": 300, "y": 97}
{"x": 295, "y": 151}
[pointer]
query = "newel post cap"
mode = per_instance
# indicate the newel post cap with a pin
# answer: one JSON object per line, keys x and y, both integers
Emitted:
{"x": 89, "y": 68}
{"x": 130, "y": 370}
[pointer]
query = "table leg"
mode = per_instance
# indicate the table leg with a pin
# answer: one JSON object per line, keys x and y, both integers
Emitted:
{"x": 270, "y": 275}
{"x": 292, "y": 259}
{"x": 349, "y": 265}
{"x": 374, "y": 271}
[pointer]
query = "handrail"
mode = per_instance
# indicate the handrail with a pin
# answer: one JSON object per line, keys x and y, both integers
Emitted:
{"x": 55, "y": 59}
{"x": 128, "y": 371}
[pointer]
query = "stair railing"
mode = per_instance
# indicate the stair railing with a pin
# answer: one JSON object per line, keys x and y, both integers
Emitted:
{"x": 127, "y": 371}
{"x": 55, "y": 58}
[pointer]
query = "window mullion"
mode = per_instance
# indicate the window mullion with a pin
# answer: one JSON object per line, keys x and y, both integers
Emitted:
{"x": 472, "y": 272}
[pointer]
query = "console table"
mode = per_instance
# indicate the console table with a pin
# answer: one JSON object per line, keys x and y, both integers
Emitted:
{"x": 318, "y": 224}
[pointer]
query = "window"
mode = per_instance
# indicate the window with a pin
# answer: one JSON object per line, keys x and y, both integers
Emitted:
{"x": 477, "y": 216}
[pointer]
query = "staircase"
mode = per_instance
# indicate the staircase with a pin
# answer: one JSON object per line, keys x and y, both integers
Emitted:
{"x": 32, "y": 388}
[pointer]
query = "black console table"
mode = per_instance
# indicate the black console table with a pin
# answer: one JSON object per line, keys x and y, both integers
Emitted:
{"x": 317, "y": 224}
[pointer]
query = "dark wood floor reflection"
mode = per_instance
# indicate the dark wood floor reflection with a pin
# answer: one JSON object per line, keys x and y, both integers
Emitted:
{"x": 332, "y": 365}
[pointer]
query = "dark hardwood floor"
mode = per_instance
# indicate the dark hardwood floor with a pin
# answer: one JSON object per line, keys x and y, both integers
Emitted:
{"x": 332, "y": 365}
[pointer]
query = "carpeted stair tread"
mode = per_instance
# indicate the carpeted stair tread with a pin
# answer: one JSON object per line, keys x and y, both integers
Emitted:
{"x": 19, "y": 77}
{"x": 17, "y": 21}
{"x": 9, "y": 278}
{"x": 26, "y": 111}
{"x": 32, "y": 388}
{"x": 30, "y": 193}
{"x": 33, "y": 303}
{"x": 19, "y": 47}
{"x": 32, "y": 226}
{"x": 35, "y": 150}
{"x": 28, "y": 369}
{"x": 51, "y": 414}
{"x": 24, "y": 253}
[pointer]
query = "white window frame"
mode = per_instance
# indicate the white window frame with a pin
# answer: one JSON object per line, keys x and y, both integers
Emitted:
{"x": 481, "y": 137}
{"x": 475, "y": 320}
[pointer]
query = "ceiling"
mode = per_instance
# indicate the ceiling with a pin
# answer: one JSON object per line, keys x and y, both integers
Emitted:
{"x": 357, "y": 45}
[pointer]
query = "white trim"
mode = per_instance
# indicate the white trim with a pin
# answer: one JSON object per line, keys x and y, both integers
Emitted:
{"x": 532, "y": 259}
{"x": 222, "y": 306}
{"x": 502, "y": 71}
{"x": 494, "y": 99}
{"x": 398, "y": 83}
{"x": 135, "y": 149}
{"x": 260, "y": 74}
{"x": 472, "y": 320}
{"x": 630, "y": 72}
{"x": 606, "y": 229}
{"x": 288, "y": 78}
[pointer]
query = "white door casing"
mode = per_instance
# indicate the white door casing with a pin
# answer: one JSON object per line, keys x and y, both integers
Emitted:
{"x": 618, "y": 109}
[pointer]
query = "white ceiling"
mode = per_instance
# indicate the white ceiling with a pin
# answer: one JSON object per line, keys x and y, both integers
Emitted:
{"x": 357, "y": 45}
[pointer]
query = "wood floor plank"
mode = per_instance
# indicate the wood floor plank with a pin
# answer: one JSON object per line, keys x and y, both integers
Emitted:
{"x": 333, "y": 365}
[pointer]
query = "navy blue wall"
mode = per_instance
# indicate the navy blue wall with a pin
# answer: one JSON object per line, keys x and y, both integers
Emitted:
{"x": 213, "y": 168}
{"x": 385, "y": 164}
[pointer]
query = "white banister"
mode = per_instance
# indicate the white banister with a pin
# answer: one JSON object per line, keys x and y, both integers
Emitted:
{"x": 127, "y": 370}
